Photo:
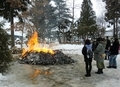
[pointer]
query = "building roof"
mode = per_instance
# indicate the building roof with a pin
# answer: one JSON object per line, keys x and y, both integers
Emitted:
{"x": 109, "y": 32}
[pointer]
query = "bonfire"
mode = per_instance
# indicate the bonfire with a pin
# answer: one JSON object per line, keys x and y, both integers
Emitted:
{"x": 35, "y": 54}
{"x": 34, "y": 46}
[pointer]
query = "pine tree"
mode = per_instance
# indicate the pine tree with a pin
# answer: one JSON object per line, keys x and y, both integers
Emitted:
{"x": 5, "y": 54}
{"x": 46, "y": 17}
{"x": 87, "y": 22}
{"x": 10, "y": 9}
{"x": 63, "y": 20}
{"x": 42, "y": 17}
{"x": 113, "y": 14}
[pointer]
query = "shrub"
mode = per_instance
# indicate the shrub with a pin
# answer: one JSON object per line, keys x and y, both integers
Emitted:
{"x": 5, "y": 54}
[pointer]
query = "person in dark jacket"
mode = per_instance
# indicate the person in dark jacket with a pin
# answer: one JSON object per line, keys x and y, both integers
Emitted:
{"x": 114, "y": 50}
{"x": 95, "y": 43}
{"x": 87, "y": 59}
{"x": 107, "y": 48}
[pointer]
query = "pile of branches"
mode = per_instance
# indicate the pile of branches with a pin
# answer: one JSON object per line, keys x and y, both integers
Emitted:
{"x": 41, "y": 58}
{"x": 15, "y": 50}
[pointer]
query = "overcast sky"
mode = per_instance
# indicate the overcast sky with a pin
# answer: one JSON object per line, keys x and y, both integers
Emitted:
{"x": 98, "y": 7}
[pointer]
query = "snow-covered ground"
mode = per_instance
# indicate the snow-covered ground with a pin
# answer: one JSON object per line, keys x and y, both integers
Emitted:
{"x": 110, "y": 78}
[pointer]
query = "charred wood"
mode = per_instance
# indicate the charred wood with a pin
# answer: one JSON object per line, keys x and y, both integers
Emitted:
{"x": 41, "y": 58}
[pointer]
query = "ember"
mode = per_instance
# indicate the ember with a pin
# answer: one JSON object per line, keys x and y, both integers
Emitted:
{"x": 34, "y": 54}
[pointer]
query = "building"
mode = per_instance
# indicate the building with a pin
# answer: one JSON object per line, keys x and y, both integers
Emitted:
{"x": 109, "y": 33}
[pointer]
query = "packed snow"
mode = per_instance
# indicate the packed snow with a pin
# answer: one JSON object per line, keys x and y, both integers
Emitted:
{"x": 112, "y": 75}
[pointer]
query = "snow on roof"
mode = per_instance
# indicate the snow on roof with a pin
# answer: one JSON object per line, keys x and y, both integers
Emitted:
{"x": 17, "y": 33}
{"x": 109, "y": 32}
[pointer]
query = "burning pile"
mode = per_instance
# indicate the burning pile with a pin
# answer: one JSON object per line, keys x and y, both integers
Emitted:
{"x": 34, "y": 54}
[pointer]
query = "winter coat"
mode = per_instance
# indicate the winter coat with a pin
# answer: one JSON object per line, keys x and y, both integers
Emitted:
{"x": 108, "y": 44}
{"x": 99, "y": 51}
{"x": 114, "y": 49}
{"x": 84, "y": 52}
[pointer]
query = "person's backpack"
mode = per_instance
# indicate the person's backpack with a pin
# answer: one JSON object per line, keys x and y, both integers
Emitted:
{"x": 89, "y": 54}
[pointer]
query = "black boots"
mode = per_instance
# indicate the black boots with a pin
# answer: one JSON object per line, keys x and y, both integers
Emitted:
{"x": 112, "y": 67}
{"x": 88, "y": 71}
{"x": 87, "y": 75}
{"x": 100, "y": 71}
{"x": 109, "y": 66}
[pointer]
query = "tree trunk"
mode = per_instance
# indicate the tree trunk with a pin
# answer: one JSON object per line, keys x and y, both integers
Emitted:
{"x": 12, "y": 27}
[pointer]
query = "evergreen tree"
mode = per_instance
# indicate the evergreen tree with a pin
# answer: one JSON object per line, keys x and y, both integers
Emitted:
{"x": 113, "y": 14}
{"x": 10, "y": 9}
{"x": 87, "y": 21}
{"x": 46, "y": 17}
{"x": 63, "y": 19}
{"x": 42, "y": 14}
{"x": 5, "y": 54}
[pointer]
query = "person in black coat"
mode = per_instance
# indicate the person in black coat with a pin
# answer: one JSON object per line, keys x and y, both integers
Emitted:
{"x": 114, "y": 51}
{"x": 95, "y": 43}
{"x": 88, "y": 60}
{"x": 107, "y": 48}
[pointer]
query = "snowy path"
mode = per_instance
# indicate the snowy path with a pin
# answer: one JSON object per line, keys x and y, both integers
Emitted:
{"x": 63, "y": 76}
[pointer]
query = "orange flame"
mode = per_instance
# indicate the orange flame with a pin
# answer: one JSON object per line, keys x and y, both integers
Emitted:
{"x": 33, "y": 45}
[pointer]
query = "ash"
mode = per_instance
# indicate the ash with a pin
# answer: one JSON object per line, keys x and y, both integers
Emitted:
{"x": 41, "y": 58}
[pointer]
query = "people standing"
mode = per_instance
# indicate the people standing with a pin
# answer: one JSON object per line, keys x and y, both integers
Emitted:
{"x": 95, "y": 44}
{"x": 87, "y": 58}
{"x": 114, "y": 51}
{"x": 99, "y": 55}
{"x": 107, "y": 48}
